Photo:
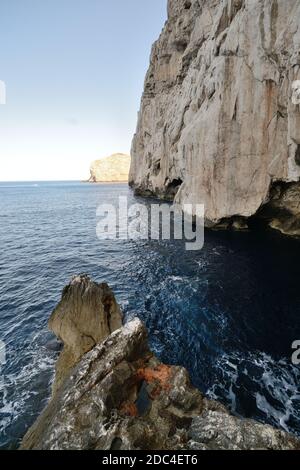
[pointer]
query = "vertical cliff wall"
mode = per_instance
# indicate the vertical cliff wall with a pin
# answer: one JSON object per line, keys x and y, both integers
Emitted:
{"x": 219, "y": 123}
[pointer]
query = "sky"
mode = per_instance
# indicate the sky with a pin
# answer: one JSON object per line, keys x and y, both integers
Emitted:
{"x": 73, "y": 72}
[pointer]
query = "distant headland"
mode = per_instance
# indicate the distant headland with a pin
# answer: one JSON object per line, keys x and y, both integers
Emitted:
{"x": 112, "y": 169}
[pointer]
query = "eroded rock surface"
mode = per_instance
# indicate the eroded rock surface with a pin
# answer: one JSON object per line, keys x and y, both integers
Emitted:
{"x": 119, "y": 396}
{"x": 220, "y": 431}
{"x": 283, "y": 210}
{"x": 87, "y": 314}
{"x": 219, "y": 122}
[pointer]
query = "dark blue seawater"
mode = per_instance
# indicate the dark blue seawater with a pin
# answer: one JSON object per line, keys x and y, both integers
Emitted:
{"x": 229, "y": 313}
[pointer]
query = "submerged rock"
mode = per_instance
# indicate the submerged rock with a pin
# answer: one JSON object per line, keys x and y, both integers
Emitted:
{"x": 219, "y": 122}
{"x": 119, "y": 396}
{"x": 86, "y": 314}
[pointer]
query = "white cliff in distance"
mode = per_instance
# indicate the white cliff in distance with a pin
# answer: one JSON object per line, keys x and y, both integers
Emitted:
{"x": 112, "y": 169}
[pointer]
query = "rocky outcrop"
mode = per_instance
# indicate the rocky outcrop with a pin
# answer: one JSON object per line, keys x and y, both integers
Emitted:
{"x": 113, "y": 169}
{"x": 215, "y": 430}
{"x": 86, "y": 315}
{"x": 220, "y": 120}
{"x": 283, "y": 210}
{"x": 119, "y": 396}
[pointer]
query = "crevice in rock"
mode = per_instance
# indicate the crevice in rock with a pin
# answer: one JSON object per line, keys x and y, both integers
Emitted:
{"x": 234, "y": 116}
{"x": 156, "y": 168}
{"x": 143, "y": 402}
{"x": 235, "y": 223}
{"x": 187, "y": 4}
{"x": 116, "y": 444}
{"x": 187, "y": 59}
{"x": 282, "y": 210}
{"x": 180, "y": 45}
{"x": 228, "y": 15}
{"x": 172, "y": 187}
{"x": 297, "y": 155}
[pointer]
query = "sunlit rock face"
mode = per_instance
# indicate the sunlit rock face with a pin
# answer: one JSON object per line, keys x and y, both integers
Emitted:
{"x": 219, "y": 123}
{"x": 113, "y": 169}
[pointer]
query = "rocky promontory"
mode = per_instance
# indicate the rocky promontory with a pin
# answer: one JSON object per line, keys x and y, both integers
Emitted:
{"x": 112, "y": 393}
{"x": 87, "y": 314}
{"x": 219, "y": 122}
{"x": 112, "y": 169}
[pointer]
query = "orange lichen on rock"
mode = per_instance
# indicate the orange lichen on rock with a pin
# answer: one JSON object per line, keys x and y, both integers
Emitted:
{"x": 129, "y": 409}
{"x": 159, "y": 376}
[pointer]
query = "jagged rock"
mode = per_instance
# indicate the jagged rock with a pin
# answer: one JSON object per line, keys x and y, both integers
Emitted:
{"x": 119, "y": 396}
{"x": 239, "y": 224}
{"x": 113, "y": 169}
{"x": 86, "y": 314}
{"x": 218, "y": 431}
{"x": 218, "y": 123}
{"x": 283, "y": 209}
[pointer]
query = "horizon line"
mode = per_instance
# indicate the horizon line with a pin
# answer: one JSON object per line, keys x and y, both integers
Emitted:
{"x": 61, "y": 181}
{"x": 45, "y": 181}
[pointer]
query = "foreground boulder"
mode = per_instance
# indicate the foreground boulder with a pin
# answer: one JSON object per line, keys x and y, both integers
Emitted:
{"x": 87, "y": 314}
{"x": 119, "y": 396}
{"x": 219, "y": 122}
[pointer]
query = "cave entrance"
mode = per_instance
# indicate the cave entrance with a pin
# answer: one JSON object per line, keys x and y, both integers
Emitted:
{"x": 297, "y": 155}
{"x": 173, "y": 187}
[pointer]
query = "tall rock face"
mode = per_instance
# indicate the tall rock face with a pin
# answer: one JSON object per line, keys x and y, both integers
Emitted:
{"x": 219, "y": 122}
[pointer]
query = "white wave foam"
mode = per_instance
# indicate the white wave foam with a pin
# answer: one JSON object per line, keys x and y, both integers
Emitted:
{"x": 273, "y": 386}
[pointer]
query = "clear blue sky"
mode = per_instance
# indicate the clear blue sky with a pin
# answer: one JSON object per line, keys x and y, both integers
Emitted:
{"x": 74, "y": 72}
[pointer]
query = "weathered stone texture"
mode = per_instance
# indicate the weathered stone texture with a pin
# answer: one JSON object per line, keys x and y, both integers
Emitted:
{"x": 217, "y": 113}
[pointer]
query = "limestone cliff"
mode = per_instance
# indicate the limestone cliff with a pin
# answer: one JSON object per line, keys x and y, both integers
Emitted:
{"x": 113, "y": 169}
{"x": 119, "y": 396}
{"x": 218, "y": 123}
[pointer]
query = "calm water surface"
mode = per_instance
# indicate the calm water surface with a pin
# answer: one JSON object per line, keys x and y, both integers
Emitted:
{"x": 228, "y": 313}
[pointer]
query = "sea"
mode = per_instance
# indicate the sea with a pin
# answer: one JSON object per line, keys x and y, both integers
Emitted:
{"x": 229, "y": 313}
